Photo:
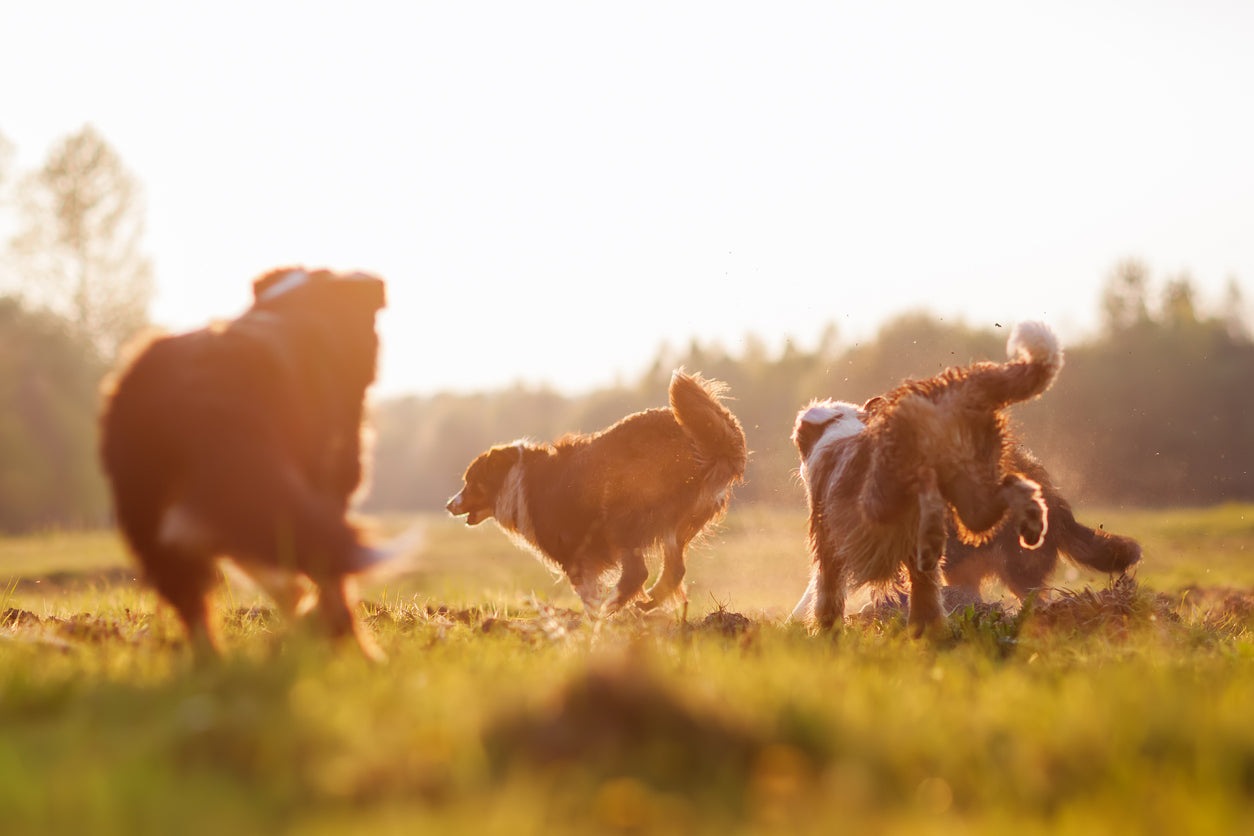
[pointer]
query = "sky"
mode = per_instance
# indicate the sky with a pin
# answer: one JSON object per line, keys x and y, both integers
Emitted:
{"x": 553, "y": 191}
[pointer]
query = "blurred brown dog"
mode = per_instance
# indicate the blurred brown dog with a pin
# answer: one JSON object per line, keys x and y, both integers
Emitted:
{"x": 1024, "y": 571}
{"x": 591, "y": 503}
{"x": 243, "y": 440}
{"x": 885, "y": 481}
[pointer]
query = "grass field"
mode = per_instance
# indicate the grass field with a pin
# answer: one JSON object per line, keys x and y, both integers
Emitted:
{"x": 1111, "y": 708}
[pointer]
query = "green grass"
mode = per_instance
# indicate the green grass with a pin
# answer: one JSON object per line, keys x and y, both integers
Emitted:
{"x": 501, "y": 710}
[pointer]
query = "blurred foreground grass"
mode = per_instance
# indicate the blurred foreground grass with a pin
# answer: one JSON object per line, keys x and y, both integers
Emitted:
{"x": 1118, "y": 709}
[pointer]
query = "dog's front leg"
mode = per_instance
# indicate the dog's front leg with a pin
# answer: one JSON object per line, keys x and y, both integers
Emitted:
{"x": 805, "y": 607}
{"x": 337, "y": 609}
{"x": 588, "y": 587}
{"x": 829, "y": 596}
{"x": 924, "y": 570}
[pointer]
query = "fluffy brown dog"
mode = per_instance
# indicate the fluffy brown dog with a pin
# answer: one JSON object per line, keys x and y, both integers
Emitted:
{"x": 242, "y": 440}
{"x": 885, "y": 481}
{"x": 1022, "y": 570}
{"x": 1003, "y": 557}
{"x": 590, "y": 503}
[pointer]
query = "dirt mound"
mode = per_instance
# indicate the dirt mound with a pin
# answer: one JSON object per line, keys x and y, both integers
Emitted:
{"x": 725, "y": 622}
{"x": 617, "y": 720}
{"x": 1113, "y": 609}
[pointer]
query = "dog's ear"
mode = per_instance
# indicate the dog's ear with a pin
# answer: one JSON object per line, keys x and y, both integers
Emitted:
{"x": 805, "y": 434}
{"x": 362, "y": 290}
{"x": 492, "y": 467}
{"x": 810, "y": 426}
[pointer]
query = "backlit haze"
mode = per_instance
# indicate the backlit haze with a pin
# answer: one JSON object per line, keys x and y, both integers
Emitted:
{"x": 553, "y": 190}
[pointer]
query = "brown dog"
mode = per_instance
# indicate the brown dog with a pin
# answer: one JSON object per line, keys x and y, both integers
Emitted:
{"x": 1022, "y": 570}
{"x": 1003, "y": 557}
{"x": 242, "y": 440}
{"x": 885, "y": 481}
{"x": 590, "y": 503}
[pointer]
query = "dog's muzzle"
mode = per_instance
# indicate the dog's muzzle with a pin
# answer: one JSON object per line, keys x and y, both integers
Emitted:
{"x": 457, "y": 506}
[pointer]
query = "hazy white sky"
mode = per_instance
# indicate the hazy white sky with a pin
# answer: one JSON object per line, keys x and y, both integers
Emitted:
{"x": 553, "y": 189}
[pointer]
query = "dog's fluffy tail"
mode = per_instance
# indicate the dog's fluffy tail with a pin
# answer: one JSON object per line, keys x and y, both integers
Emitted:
{"x": 717, "y": 435}
{"x": 1095, "y": 548}
{"x": 1035, "y": 360}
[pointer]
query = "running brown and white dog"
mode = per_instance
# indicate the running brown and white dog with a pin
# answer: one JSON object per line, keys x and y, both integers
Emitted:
{"x": 1004, "y": 558}
{"x": 243, "y": 440}
{"x": 592, "y": 503}
{"x": 1024, "y": 571}
{"x": 886, "y": 480}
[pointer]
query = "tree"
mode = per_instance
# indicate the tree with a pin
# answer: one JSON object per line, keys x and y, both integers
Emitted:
{"x": 78, "y": 245}
{"x": 1179, "y": 302}
{"x": 1233, "y": 314}
{"x": 1124, "y": 296}
{"x": 6, "y": 163}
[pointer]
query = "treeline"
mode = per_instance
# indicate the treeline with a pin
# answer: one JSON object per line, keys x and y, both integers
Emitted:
{"x": 1157, "y": 410}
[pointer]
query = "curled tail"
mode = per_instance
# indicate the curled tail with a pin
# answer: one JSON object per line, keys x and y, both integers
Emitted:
{"x": 715, "y": 432}
{"x": 1035, "y": 360}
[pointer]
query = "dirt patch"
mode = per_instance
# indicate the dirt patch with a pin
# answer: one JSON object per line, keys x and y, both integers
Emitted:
{"x": 726, "y": 623}
{"x": 14, "y": 617}
{"x": 617, "y": 720}
{"x": 1113, "y": 609}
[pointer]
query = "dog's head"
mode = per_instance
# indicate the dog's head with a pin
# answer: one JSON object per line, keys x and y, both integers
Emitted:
{"x": 339, "y": 304}
{"x": 826, "y": 419}
{"x": 824, "y": 423}
{"x": 484, "y": 480}
{"x": 350, "y": 294}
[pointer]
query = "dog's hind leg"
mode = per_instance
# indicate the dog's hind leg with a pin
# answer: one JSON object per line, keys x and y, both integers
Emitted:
{"x": 631, "y": 581}
{"x": 670, "y": 580}
{"x": 924, "y": 569}
{"x": 337, "y": 609}
{"x": 187, "y": 583}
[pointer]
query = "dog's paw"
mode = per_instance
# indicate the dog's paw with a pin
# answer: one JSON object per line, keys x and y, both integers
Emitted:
{"x": 1028, "y": 511}
{"x": 1034, "y": 523}
{"x": 926, "y": 618}
{"x": 648, "y": 604}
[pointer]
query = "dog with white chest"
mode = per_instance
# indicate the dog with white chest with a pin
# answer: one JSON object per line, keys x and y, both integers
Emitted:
{"x": 591, "y": 504}
{"x": 886, "y": 481}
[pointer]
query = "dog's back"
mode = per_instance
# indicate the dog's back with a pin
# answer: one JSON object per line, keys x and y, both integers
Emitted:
{"x": 956, "y": 422}
{"x": 589, "y": 503}
{"x": 883, "y": 479}
{"x": 204, "y": 423}
{"x": 642, "y": 479}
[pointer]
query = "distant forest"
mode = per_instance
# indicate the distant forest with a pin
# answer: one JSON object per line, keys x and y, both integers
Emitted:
{"x": 1155, "y": 410}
